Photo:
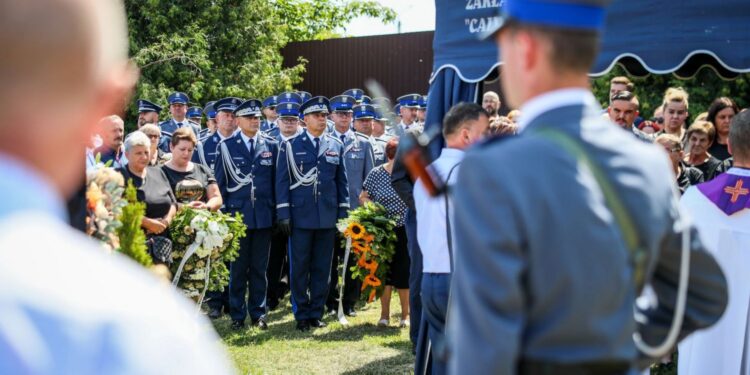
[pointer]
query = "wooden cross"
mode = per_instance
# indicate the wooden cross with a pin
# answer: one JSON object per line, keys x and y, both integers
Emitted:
{"x": 736, "y": 191}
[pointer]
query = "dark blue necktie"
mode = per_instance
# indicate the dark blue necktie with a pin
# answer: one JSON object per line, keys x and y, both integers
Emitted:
{"x": 343, "y": 137}
{"x": 317, "y": 145}
{"x": 251, "y": 147}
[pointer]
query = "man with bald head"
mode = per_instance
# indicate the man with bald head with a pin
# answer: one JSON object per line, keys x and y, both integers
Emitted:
{"x": 491, "y": 103}
{"x": 74, "y": 308}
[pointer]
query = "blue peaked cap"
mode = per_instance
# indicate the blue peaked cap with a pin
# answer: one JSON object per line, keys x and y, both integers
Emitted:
{"x": 147, "y": 106}
{"x": 304, "y": 95}
{"x": 342, "y": 103}
{"x": 409, "y": 100}
{"x": 288, "y": 109}
{"x": 270, "y": 101}
{"x": 209, "y": 110}
{"x": 250, "y": 107}
{"x": 355, "y": 93}
{"x": 315, "y": 105}
{"x": 194, "y": 112}
{"x": 363, "y": 111}
{"x": 178, "y": 98}
{"x": 288, "y": 97}
{"x": 565, "y": 14}
{"x": 227, "y": 104}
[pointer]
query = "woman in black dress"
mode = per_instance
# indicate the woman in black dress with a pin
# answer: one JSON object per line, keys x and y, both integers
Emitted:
{"x": 193, "y": 184}
{"x": 377, "y": 188}
{"x": 151, "y": 184}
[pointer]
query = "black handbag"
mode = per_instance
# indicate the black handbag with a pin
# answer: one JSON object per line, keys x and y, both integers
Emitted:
{"x": 160, "y": 248}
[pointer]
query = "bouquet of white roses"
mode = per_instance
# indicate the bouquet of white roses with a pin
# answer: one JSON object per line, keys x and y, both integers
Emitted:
{"x": 202, "y": 242}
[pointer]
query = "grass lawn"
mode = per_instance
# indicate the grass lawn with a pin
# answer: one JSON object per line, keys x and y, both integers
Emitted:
{"x": 359, "y": 348}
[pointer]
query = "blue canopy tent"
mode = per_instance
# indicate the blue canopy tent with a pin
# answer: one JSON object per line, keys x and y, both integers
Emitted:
{"x": 644, "y": 36}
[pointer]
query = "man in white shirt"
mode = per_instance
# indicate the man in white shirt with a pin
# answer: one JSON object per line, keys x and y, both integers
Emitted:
{"x": 720, "y": 210}
{"x": 463, "y": 125}
{"x": 68, "y": 306}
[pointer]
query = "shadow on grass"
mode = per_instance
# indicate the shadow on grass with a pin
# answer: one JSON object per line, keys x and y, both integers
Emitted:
{"x": 399, "y": 364}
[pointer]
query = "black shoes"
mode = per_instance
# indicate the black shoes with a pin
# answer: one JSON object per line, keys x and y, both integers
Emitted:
{"x": 214, "y": 313}
{"x": 260, "y": 323}
{"x": 303, "y": 325}
{"x": 237, "y": 325}
{"x": 316, "y": 323}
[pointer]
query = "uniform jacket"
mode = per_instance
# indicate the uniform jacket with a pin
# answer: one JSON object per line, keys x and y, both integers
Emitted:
{"x": 170, "y": 126}
{"x": 319, "y": 205}
{"x": 255, "y": 201}
{"x": 207, "y": 150}
{"x": 359, "y": 159}
{"x": 541, "y": 270}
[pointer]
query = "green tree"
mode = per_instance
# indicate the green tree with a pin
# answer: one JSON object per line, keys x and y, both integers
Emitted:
{"x": 703, "y": 89}
{"x": 211, "y": 49}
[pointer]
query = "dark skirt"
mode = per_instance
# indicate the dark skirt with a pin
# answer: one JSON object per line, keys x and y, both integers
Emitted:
{"x": 398, "y": 273}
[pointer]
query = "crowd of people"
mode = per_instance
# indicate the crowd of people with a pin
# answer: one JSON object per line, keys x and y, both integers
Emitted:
{"x": 293, "y": 165}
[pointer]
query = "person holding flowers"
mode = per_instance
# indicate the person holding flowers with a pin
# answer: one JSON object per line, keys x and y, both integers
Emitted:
{"x": 378, "y": 188}
{"x": 153, "y": 187}
{"x": 191, "y": 182}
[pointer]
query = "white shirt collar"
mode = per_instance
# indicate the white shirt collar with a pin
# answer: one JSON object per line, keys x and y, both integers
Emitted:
{"x": 312, "y": 137}
{"x": 338, "y": 135}
{"x": 451, "y": 153}
{"x": 25, "y": 189}
{"x": 246, "y": 139}
{"x": 551, "y": 100}
{"x": 739, "y": 171}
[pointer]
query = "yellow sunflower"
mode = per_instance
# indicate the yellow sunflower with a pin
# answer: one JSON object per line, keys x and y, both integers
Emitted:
{"x": 355, "y": 231}
{"x": 370, "y": 265}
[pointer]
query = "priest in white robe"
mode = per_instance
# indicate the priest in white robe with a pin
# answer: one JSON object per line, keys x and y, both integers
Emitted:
{"x": 720, "y": 210}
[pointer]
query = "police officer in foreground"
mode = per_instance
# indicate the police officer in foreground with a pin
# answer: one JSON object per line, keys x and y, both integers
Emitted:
{"x": 548, "y": 266}
{"x": 358, "y": 161}
{"x": 311, "y": 195}
{"x": 245, "y": 172}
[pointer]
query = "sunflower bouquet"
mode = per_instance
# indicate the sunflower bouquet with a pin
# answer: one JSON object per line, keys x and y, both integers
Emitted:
{"x": 368, "y": 232}
{"x": 202, "y": 242}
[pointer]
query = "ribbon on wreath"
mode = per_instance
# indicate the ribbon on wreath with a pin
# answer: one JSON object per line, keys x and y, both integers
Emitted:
{"x": 347, "y": 252}
{"x": 191, "y": 250}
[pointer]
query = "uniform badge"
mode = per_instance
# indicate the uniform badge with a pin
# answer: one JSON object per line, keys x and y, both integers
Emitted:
{"x": 266, "y": 154}
{"x": 332, "y": 153}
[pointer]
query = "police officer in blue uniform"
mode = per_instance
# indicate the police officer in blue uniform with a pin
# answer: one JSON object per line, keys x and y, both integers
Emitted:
{"x": 245, "y": 172}
{"x": 206, "y": 152}
{"x": 148, "y": 112}
{"x": 548, "y": 266}
{"x": 285, "y": 98}
{"x": 269, "y": 114}
{"x": 311, "y": 195}
{"x": 278, "y": 263}
{"x": 226, "y": 126}
{"x": 210, "y": 128}
{"x": 195, "y": 115}
{"x": 358, "y": 160}
{"x": 178, "y": 102}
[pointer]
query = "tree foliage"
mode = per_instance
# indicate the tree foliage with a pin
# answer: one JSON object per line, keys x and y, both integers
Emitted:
{"x": 211, "y": 49}
{"x": 703, "y": 89}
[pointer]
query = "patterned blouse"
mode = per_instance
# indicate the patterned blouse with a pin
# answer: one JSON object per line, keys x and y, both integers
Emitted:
{"x": 378, "y": 187}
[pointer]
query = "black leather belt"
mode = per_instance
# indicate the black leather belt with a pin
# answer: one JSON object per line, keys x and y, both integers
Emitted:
{"x": 532, "y": 367}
